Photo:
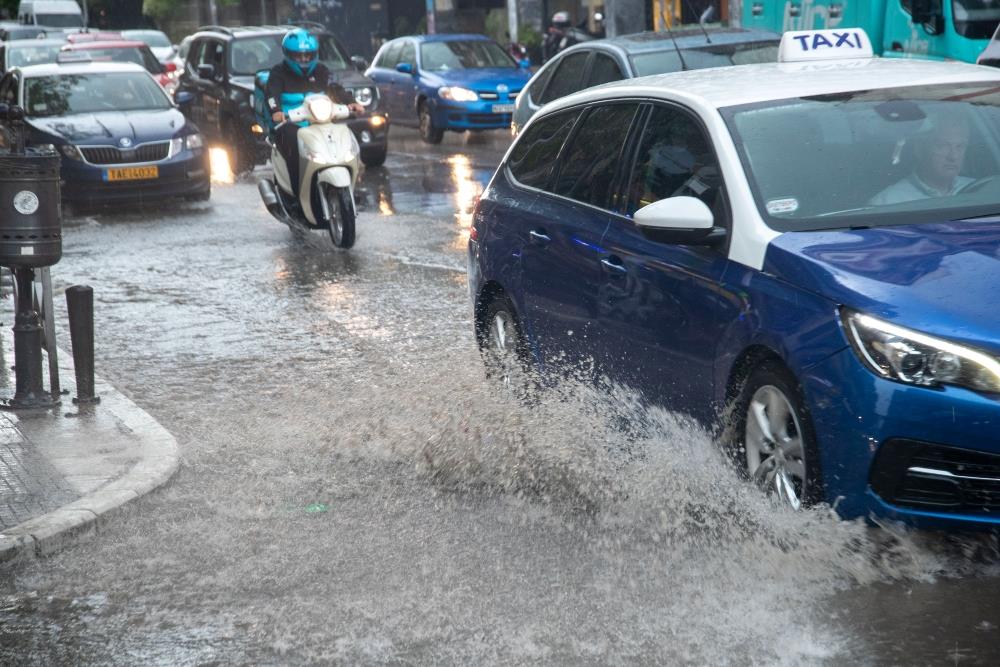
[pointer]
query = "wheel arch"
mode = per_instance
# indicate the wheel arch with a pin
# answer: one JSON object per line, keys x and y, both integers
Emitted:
{"x": 488, "y": 293}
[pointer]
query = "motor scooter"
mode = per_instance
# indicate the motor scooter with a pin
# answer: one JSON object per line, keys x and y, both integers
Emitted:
{"x": 328, "y": 172}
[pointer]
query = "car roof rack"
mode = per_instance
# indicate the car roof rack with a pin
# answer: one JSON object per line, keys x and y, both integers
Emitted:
{"x": 216, "y": 28}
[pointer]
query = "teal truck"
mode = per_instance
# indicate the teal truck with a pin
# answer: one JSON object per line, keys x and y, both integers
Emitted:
{"x": 939, "y": 29}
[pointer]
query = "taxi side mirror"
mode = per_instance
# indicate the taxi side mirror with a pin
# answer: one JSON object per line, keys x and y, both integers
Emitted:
{"x": 683, "y": 220}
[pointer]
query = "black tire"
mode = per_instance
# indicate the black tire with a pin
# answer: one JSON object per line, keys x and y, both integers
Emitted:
{"x": 240, "y": 151}
{"x": 502, "y": 345}
{"x": 770, "y": 410}
{"x": 429, "y": 133}
{"x": 374, "y": 157}
{"x": 342, "y": 229}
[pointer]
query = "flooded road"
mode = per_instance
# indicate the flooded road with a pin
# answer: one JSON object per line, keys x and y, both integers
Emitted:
{"x": 353, "y": 491}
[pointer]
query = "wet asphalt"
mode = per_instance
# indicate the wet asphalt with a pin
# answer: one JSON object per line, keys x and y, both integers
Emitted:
{"x": 353, "y": 491}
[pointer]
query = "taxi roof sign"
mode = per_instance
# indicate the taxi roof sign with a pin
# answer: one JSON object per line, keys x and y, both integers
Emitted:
{"x": 811, "y": 45}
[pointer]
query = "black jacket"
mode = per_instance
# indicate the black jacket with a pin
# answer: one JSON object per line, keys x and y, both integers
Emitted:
{"x": 282, "y": 81}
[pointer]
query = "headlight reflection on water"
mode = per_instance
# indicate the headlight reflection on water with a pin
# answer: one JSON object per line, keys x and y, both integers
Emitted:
{"x": 221, "y": 171}
{"x": 467, "y": 191}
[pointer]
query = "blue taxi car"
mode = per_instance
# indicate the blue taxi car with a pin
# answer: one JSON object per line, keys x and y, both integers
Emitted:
{"x": 447, "y": 82}
{"x": 119, "y": 135}
{"x": 802, "y": 255}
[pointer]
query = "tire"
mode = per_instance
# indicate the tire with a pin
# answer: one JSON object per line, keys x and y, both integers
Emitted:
{"x": 342, "y": 215}
{"x": 429, "y": 133}
{"x": 374, "y": 157}
{"x": 770, "y": 410}
{"x": 240, "y": 153}
{"x": 502, "y": 345}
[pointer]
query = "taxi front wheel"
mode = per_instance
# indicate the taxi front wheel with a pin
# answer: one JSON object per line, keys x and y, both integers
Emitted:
{"x": 775, "y": 433}
{"x": 502, "y": 346}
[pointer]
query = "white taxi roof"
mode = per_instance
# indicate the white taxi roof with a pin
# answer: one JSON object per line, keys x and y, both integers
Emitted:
{"x": 746, "y": 84}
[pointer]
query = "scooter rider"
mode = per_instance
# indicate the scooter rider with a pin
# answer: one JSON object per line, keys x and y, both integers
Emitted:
{"x": 289, "y": 82}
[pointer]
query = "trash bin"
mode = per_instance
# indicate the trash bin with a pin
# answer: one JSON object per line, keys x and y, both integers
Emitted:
{"x": 30, "y": 213}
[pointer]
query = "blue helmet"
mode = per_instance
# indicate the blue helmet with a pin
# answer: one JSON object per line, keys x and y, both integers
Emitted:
{"x": 301, "y": 51}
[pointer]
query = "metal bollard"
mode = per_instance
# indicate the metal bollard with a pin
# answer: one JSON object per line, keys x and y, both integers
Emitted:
{"x": 80, "y": 303}
{"x": 28, "y": 391}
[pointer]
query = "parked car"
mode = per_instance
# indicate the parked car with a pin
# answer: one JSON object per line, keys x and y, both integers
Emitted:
{"x": 119, "y": 134}
{"x": 124, "y": 51}
{"x": 61, "y": 14}
{"x": 800, "y": 255}
{"x": 156, "y": 40}
{"x": 25, "y": 52}
{"x": 11, "y": 31}
{"x": 448, "y": 82}
{"x": 219, "y": 78}
{"x": 602, "y": 61}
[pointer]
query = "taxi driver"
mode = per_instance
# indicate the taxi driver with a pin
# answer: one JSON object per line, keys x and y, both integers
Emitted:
{"x": 939, "y": 154}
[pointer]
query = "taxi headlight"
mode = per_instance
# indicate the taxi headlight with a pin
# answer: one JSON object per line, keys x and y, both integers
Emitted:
{"x": 457, "y": 94}
{"x": 71, "y": 151}
{"x": 912, "y": 357}
{"x": 364, "y": 96}
{"x": 320, "y": 108}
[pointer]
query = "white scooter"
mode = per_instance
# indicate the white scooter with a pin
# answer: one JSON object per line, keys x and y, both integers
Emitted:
{"x": 328, "y": 172}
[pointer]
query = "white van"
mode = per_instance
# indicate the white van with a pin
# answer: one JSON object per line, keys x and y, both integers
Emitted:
{"x": 51, "y": 13}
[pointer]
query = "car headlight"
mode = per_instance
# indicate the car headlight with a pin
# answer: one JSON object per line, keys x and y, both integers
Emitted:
{"x": 364, "y": 96}
{"x": 71, "y": 151}
{"x": 912, "y": 357}
{"x": 193, "y": 141}
{"x": 320, "y": 108}
{"x": 457, "y": 94}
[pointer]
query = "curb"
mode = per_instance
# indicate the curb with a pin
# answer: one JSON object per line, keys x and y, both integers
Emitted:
{"x": 158, "y": 460}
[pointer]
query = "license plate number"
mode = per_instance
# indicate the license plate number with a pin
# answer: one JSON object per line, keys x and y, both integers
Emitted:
{"x": 503, "y": 108}
{"x": 131, "y": 173}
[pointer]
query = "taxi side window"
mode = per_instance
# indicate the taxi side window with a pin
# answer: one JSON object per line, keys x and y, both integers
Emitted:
{"x": 603, "y": 69}
{"x": 674, "y": 158}
{"x": 534, "y": 156}
{"x": 591, "y": 160}
{"x": 566, "y": 78}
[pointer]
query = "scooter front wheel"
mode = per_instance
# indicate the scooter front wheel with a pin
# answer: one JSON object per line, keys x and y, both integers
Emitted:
{"x": 341, "y": 215}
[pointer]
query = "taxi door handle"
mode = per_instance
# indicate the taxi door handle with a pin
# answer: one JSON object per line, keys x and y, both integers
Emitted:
{"x": 613, "y": 266}
{"x": 541, "y": 238}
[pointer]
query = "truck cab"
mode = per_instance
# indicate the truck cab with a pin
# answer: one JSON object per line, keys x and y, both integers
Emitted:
{"x": 936, "y": 29}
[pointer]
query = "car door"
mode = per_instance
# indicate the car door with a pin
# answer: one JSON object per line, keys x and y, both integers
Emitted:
{"x": 562, "y": 260}
{"x": 663, "y": 306}
{"x": 382, "y": 73}
{"x": 190, "y": 82}
{"x": 214, "y": 92}
{"x": 405, "y": 86}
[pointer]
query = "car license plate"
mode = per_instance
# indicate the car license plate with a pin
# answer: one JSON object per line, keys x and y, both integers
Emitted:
{"x": 131, "y": 173}
{"x": 503, "y": 108}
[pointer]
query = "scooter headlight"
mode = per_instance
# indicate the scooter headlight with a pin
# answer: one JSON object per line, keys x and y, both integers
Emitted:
{"x": 911, "y": 357}
{"x": 321, "y": 109}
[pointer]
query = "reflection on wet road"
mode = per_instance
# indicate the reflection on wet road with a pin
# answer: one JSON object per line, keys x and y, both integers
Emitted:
{"x": 353, "y": 491}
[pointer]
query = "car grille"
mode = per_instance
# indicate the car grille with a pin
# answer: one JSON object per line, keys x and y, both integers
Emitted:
{"x": 153, "y": 152}
{"x": 935, "y": 477}
{"x": 512, "y": 95}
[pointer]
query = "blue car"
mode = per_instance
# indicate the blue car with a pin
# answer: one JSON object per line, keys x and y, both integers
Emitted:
{"x": 120, "y": 137}
{"x": 447, "y": 82}
{"x": 802, "y": 255}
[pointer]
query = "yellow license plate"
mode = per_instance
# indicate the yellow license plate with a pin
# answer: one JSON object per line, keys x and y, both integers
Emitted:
{"x": 131, "y": 173}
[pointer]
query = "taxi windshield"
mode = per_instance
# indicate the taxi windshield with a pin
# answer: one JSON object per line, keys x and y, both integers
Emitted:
{"x": 873, "y": 158}
{"x": 92, "y": 93}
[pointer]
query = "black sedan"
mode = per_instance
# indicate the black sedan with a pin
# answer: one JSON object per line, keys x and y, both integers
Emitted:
{"x": 120, "y": 136}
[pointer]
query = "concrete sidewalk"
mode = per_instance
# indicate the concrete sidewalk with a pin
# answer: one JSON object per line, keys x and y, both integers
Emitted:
{"x": 65, "y": 469}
